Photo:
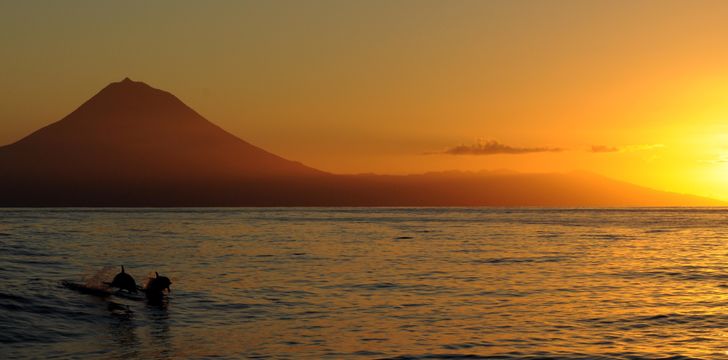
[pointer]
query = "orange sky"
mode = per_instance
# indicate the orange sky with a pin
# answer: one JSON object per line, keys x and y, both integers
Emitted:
{"x": 389, "y": 87}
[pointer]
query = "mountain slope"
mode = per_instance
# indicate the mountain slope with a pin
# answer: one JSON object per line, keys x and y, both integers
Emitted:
{"x": 130, "y": 131}
{"x": 508, "y": 189}
{"x": 133, "y": 145}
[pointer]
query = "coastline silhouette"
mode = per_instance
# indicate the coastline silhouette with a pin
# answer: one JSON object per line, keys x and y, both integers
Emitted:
{"x": 134, "y": 145}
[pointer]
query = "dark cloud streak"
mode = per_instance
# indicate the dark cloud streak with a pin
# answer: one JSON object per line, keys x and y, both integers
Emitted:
{"x": 603, "y": 149}
{"x": 495, "y": 148}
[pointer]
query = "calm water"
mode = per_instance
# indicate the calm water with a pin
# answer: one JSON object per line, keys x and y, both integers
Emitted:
{"x": 371, "y": 283}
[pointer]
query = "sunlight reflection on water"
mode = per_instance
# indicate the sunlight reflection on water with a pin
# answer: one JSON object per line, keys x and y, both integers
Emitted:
{"x": 371, "y": 283}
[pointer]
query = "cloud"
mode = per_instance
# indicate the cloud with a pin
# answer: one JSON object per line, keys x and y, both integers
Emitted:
{"x": 603, "y": 149}
{"x": 718, "y": 160}
{"x": 643, "y": 147}
{"x": 623, "y": 149}
{"x": 493, "y": 148}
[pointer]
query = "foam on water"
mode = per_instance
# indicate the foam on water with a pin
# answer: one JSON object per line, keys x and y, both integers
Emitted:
{"x": 369, "y": 283}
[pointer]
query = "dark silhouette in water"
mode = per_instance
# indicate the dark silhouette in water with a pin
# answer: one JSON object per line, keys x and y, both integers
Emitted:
{"x": 155, "y": 289}
{"x": 124, "y": 281}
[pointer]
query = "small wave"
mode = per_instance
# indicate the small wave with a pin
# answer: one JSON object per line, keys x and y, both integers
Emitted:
{"x": 467, "y": 345}
{"x": 661, "y": 320}
{"x": 519, "y": 260}
{"x": 6, "y": 296}
{"x": 608, "y": 236}
{"x": 658, "y": 231}
{"x": 540, "y": 356}
{"x": 550, "y": 235}
{"x": 490, "y": 357}
{"x": 367, "y": 353}
{"x": 376, "y": 286}
{"x": 678, "y": 274}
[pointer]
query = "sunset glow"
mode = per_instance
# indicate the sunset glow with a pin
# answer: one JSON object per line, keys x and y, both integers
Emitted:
{"x": 383, "y": 87}
{"x": 364, "y": 179}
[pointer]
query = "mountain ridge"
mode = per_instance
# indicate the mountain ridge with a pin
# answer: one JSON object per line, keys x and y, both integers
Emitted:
{"x": 130, "y": 123}
{"x": 134, "y": 145}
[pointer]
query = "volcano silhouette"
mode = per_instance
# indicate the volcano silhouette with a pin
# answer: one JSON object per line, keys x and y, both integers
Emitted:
{"x": 132, "y": 132}
{"x": 134, "y": 145}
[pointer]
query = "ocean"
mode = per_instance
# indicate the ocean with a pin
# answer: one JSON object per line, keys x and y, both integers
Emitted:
{"x": 369, "y": 283}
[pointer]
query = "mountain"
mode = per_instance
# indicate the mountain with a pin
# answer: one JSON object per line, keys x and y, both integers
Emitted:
{"x": 134, "y": 145}
{"x": 129, "y": 144}
{"x": 577, "y": 189}
{"x": 132, "y": 132}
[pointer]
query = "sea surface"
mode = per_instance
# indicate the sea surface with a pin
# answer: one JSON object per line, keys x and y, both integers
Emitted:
{"x": 402, "y": 283}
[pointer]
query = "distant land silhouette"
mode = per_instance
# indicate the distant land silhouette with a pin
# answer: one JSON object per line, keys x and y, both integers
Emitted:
{"x": 134, "y": 145}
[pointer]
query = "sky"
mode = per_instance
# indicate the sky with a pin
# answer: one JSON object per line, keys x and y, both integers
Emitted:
{"x": 633, "y": 90}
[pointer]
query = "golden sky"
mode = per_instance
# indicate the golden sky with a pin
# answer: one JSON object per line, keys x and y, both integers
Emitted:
{"x": 634, "y": 90}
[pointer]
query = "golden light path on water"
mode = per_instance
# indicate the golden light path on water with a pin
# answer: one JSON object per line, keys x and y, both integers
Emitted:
{"x": 373, "y": 283}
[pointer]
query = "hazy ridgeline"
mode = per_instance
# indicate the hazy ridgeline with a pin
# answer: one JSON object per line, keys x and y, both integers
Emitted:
{"x": 371, "y": 283}
{"x": 131, "y": 145}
